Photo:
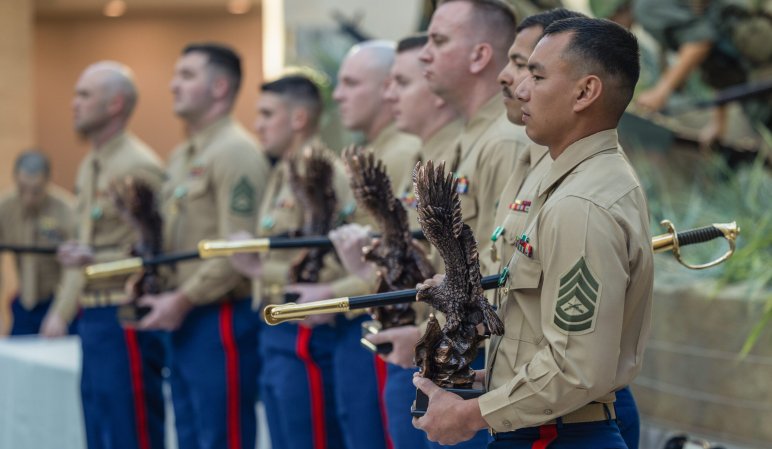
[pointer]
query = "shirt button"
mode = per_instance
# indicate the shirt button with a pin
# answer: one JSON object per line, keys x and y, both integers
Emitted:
{"x": 548, "y": 412}
{"x": 506, "y": 423}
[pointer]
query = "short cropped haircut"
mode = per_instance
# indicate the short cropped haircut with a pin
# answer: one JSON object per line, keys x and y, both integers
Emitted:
{"x": 32, "y": 162}
{"x": 298, "y": 90}
{"x": 605, "y": 49}
{"x": 416, "y": 41}
{"x": 496, "y": 19}
{"x": 545, "y": 19}
{"x": 223, "y": 58}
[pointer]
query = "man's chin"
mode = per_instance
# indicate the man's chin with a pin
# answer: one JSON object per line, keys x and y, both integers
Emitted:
{"x": 516, "y": 117}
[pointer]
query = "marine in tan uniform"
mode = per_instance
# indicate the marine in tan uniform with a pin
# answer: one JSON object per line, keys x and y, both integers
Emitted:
{"x": 576, "y": 304}
{"x": 362, "y": 81}
{"x": 467, "y": 48}
{"x": 515, "y": 200}
{"x": 215, "y": 182}
{"x": 300, "y": 387}
{"x": 120, "y": 366}
{"x": 419, "y": 112}
{"x": 36, "y": 214}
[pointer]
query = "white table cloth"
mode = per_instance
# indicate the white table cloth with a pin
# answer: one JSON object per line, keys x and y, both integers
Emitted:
{"x": 40, "y": 394}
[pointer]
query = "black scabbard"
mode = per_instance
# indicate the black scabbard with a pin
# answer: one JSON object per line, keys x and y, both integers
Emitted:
{"x": 20, "y": 249}
{"x": 404, "y": 296}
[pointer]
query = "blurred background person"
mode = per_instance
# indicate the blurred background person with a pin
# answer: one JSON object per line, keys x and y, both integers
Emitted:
{"x": 726, "y": 42}
{"x": 36, "y": 213}
{"x": 120, "y": 366}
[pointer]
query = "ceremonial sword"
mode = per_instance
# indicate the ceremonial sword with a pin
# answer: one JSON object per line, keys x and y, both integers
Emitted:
{"x": 208, "y": 249}
{"x": 21, "y": 249}
{"x": 672, "y": 241}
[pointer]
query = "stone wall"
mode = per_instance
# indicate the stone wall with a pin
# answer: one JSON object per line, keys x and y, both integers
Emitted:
{"x": 693, "y": 378}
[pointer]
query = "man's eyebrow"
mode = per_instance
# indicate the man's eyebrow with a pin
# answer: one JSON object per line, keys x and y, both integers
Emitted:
{"x": 534, "y": 66}
{"x": 517, "y": 55}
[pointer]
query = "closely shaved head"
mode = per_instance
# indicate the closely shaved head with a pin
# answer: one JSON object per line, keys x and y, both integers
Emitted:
{"x": 491, "y": 21}
{"x": 105, "y": 93}
{"x": 378, "y": 55}
{"x": 362, "y": 80}
{"x": 116, "y": 79}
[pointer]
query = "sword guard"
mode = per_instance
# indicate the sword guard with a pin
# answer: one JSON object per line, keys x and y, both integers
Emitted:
{"x": 729, "y": 231}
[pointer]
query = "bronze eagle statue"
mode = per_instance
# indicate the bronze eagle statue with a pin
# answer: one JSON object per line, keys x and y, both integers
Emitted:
{"x": 138, "y": 205}
{"x": 315, "y": 194}
{"x": 400, "y": 261}
{"x": 444, "y": 354}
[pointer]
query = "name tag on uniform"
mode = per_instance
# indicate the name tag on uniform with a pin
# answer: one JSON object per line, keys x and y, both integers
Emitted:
{"x": 520, "y": 205}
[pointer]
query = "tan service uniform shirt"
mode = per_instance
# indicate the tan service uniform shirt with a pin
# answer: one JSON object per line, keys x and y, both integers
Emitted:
{"x": 512, "y": 209}
{"x": 52, "y": 224}
{"x": 281, "y": 214}
{"x": 489, "y": 147}
{"x": 99, "y": 222}
{"x": 397, "y": 150}
{"x": 216, "y": 180}
{"x": 442, "y": 146}
{"x": 577, "y": 313}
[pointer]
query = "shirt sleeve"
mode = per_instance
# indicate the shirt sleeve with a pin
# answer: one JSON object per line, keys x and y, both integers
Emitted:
{"x": 584, "y": 279}
{"x": 239, "y": 184}
{"x": 65, "y": 303}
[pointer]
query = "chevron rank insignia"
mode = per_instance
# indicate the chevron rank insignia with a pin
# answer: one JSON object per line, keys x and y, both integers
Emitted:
{"x": 243, "y": 197}
{"x": 577, "y": 302}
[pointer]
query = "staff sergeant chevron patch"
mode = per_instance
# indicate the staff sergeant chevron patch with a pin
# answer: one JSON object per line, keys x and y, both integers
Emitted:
{"x": 576, "y": 305}
{"x": 243, "y": 197}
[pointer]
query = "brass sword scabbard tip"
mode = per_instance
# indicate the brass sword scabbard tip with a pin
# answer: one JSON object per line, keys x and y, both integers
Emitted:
{"x": 110, "y": 269}
{"x": 220, "y": 248}
{"x": 274, "y": 314}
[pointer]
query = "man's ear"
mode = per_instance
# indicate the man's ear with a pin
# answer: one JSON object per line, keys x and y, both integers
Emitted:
{"x": 116, "y": 105}
{"x": 588, "y": 91}
{"x": 481, "y": 56}
{"x": 298, "y": 118}
{"x": 220, "y": 87}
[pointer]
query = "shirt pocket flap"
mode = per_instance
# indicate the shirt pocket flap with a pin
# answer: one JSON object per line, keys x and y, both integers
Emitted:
{"x": 525, "y": 273}
{"x": 197, "y": 187}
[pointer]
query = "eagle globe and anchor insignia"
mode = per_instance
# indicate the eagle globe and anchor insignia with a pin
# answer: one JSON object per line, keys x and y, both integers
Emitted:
{"x": 577, "y": 299}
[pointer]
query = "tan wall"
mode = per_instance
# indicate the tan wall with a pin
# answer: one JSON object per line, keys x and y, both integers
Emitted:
{"x": 15, "y": 110}
{"x": 35, "y": 106}
{"x": 150, "y": 45}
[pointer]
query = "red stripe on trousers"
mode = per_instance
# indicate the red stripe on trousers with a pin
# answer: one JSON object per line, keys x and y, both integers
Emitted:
{"x": 381, "y": 373}
{"x": 233, "y": 415}
{"x": 547, "y": 435}
{"x": 316, "y": 387}
{"x": 137, "y": 388}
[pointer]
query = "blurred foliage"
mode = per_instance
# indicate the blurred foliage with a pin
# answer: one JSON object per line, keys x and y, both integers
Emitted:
{"x": 696, "y": 190}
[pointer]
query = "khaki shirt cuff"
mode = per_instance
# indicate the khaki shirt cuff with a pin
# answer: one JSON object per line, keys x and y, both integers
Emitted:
{"x": 194, "y": 293}
{"x": 66, "y": 300}
{"x": 66, "y": 310}
{"x": 497, "y": 411}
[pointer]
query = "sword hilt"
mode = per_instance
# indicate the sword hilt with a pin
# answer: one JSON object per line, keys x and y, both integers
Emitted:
{"x": 675, "y": 240}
